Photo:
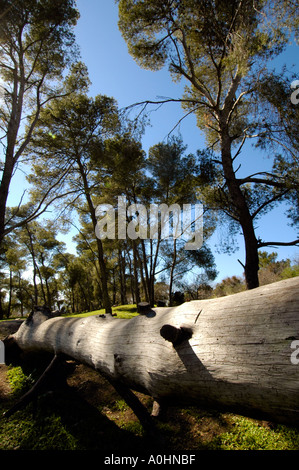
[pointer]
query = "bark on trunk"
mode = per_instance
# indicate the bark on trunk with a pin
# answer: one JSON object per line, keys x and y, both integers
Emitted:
{"x": 239, "y": 208}
{"x": 232, "y": 353}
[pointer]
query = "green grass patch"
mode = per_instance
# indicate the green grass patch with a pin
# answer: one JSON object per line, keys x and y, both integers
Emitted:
{"x": 119, "y": 405}
{"x": 19, "y": 382}
{"x": 133, "y": 427}
{"x": 62, "y": 421}
{"x": 247, "y": 434}
{"x": 122, "y": 311}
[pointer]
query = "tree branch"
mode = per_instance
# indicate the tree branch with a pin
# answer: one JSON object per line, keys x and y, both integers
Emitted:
{"x": 167, "y": 100}
{"x": 292, "y": 243}
{"x": 269, "y": 201}
{"x": 39, "y": 209}
{"x": 252, "y": 179}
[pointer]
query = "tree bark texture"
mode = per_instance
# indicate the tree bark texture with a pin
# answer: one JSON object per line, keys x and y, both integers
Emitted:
{"x": 231, "y": 353}
{"x": 239, "y": 206}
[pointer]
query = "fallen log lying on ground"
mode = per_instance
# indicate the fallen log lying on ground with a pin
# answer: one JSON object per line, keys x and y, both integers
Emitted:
{"x": 231, "y": 353}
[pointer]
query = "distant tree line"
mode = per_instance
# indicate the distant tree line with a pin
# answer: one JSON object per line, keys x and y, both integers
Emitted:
{"x": 39, "y": 270}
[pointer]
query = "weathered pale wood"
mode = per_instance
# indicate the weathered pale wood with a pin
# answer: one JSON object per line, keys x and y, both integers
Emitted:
{"x": 238, "y": 357}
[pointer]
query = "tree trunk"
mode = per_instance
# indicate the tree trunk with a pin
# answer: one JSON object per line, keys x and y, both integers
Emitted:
{"x": 100, "y": 251}
{"x": 251, "y": 255}
{"x": 239, "y": 208}
{"x": 9, "y": 294}
{"x": 34, "y": 263}
{"x": 233, "y": 353}
{"x": 174, "y": 256}
{"x": 4, "y": 190}
{"x": 122, "y": 277}
{"x": 136, "y": 280}
{"x": 1, "y": 306}
{"x": 21, "y": 296}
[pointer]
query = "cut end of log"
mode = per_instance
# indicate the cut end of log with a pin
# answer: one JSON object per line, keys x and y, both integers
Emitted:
{"x": 40, "y": 314}
{"x": 143, "y": 308}
{"x": 12, "y": 350}
{"x": 175, "y": 335}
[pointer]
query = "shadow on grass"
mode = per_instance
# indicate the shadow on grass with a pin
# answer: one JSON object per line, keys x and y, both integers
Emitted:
{"x": 62, "y": 420}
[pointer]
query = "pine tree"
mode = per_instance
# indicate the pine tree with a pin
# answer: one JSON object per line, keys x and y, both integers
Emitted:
{"x": 222, "y": 50}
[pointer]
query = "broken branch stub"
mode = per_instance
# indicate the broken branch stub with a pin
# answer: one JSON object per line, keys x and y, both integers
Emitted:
{"x": 175, "y": 335}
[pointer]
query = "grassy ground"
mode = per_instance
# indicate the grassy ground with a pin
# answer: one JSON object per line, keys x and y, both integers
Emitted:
{"x": 87, "y": 414}
{"x": 123, "y": 311}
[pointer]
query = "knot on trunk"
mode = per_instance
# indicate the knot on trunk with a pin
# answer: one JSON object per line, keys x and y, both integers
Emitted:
{"x": 175, "y": 335}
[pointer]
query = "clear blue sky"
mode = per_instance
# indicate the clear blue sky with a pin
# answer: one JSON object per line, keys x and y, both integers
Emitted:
{"x": 114, "y": 72}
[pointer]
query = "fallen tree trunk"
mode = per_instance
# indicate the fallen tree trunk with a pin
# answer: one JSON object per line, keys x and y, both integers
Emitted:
{"x": 232, "y": 353}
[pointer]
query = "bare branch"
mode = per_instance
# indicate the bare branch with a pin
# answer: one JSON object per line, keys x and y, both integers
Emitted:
{"x": 40, "y": 209}
{"x": 240, "y": 147}
{"x": 167, "y": 100}
{"x": 252, "y": 179}
{"x": 292, "y": 243}
{"x": 269, "y": 201}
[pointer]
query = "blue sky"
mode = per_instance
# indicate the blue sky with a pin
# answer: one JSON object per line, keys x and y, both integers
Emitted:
{"x": 114, "y": 72}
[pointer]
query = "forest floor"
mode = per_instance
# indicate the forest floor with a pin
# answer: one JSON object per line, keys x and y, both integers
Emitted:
{"x": 88, "y": 414}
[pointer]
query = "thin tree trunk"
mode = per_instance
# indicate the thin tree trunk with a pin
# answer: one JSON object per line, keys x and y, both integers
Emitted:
{"x": 174, "y": 256}
{"x": 102, "y": 264}
{"x": 35, "y": 267}
{"x": 10, "y": 294}
{"x": 143, "y": 280}
{"x": 21, "y": 296}
{"x": 122, "y": 277}
{"x": 136, "y": 280}
{"x": 42, "y": 285}
{"x": 49, "y": 296}
{"x": 113, "y": 287}
{"x": 132, "y": 278}
{"x": 146, "y": 273}
{"x": 73, "y": 299}
{"x": 1, "y": 307}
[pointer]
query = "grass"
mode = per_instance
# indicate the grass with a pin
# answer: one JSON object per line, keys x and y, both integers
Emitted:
{"x": 91, "y": 416}
{"x": 62, "y": 420}
{"x": 123, "y": 311}
{"x": 19, "y": 382}
{"x": 250, "y": 435}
